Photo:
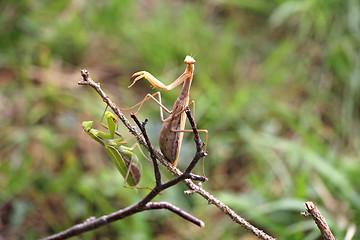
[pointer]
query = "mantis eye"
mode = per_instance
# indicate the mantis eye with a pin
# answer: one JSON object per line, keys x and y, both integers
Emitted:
{"x": 114, "y": 118}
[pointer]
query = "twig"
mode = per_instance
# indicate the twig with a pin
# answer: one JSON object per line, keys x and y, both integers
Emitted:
{"x": 174, "y": 209}
{"x": 176, "y": 172}
{"x": 320, "y": 221}
{"x": 151, "y": 149}
{"x": 199, "y": 146}
{"x": 93, "y": 223}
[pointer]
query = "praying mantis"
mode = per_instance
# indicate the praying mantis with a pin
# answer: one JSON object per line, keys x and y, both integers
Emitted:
{"x": 123, "y": 157}
{"x": 173, "y": 128}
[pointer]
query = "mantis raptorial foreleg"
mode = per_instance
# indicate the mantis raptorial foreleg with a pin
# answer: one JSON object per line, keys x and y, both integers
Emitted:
{"x": 172, "y": 130}
{"x": 156, "y": 83}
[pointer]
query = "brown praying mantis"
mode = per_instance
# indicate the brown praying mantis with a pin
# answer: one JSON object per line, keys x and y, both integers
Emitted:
{"x": 173, "y": 127}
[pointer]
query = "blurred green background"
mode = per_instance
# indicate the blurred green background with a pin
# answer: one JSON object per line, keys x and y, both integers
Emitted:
{"x": 276, "y": 84}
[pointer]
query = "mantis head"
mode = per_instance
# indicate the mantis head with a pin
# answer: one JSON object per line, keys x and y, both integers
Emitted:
{"x": 189, "y": 60}
{"x": 87, "y": 125}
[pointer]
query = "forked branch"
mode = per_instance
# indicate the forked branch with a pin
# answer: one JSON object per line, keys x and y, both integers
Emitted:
{"x": 176, "y": 172}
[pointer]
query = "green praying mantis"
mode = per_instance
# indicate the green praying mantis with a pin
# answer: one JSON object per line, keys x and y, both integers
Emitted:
{"x": 125, "y": 160}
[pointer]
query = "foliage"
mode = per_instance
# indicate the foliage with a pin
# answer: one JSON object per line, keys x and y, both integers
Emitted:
{"x": 276, "y": 84}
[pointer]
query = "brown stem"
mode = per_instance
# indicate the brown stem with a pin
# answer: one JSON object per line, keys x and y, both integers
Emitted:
{"x": 151, "y": 149}
{"x": 174, "y": 209}
{"x": 93, "y": 223}
{"x": 320, "y": 221}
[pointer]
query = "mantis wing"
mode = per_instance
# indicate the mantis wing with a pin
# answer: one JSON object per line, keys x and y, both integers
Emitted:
{"x": 131, "y": 174}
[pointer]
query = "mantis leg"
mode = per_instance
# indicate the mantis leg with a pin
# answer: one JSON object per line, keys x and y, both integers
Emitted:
{"x": 206, "y": 140}
{"x": 137, "y": 145}
{"x": 132, "y": 167}
{"x": 128, "y": 170}
{"x": 199, "y": 130}
{"x": 192, "y": 103}
{"x": 151, "y": 96}
{"x": 102, "y": 117}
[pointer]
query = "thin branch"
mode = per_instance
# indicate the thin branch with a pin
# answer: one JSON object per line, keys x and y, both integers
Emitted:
{"x": 199, "y": 146}
{"x": 174, "y": 209}
{"x": 192, "y": 186}
{"x": 150, "y": 147}
{"x": 320, "y": 221}
{"x": 93, "y": 223}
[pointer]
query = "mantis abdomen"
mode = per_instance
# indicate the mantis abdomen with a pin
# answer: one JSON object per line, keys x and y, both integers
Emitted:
{"x": 170, "y": 138}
